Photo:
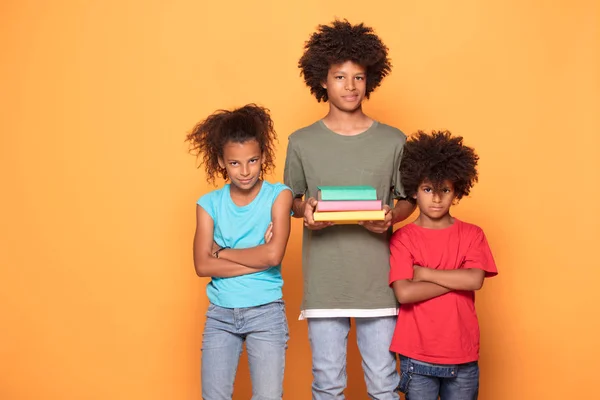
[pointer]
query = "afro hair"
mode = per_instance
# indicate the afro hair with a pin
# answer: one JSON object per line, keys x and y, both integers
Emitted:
{"x": 438, "y": 157}
{"x": 338, "y": 43}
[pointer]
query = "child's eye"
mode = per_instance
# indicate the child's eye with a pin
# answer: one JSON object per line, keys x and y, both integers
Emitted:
{"x": 427, "y": 190}
{"x": 233, "y": 163}
{"x": 446, "y": 190}
{"x": 339, "y": 77}
{"x": 254, "y": 160}
{"x": 360, "y": 78}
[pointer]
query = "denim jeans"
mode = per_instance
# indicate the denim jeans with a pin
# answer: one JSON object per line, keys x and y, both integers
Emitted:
{"x": 265, "y": 331}
{"x": 328, "y": 341}
{"x": 424, "y": 381}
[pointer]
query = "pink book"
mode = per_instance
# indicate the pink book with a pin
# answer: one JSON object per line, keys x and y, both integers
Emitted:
{"x": 349, "y": 205}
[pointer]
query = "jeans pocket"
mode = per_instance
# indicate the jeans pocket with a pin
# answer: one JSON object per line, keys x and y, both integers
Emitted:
{"x": 404, "y": 381}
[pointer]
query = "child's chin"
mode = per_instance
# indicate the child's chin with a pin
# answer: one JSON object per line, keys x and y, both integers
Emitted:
{"x": 245, "y": 185}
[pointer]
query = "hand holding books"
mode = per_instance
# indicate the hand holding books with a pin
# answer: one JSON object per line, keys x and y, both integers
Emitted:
{"x": 309, "y": 221}
{"x": 380, "y": 226}
{"x": 350, "y": 205}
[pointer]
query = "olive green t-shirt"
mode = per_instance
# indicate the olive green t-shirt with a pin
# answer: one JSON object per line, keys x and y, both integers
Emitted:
{"x": 345, "y": 266}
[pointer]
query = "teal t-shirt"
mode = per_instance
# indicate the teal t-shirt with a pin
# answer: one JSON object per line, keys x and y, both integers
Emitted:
{"x": 239, "y": 228}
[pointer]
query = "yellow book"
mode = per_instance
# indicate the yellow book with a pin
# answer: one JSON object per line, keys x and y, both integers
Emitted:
{"x": 349, "y": 217}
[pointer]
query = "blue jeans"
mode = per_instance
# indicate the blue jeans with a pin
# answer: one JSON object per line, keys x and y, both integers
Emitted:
{"x": 265, "y": 331}
{"x": 424, "y": 381}
{"x": 328, "y": 342}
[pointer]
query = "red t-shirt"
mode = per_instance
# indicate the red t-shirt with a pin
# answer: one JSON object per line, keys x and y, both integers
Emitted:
{"x": 442, "y": 330}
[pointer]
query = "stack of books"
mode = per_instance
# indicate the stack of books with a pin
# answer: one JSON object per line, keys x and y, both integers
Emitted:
{"x": 348, "y": 204}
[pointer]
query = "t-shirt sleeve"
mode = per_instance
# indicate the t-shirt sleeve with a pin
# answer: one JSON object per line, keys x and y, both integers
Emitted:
{"x": 401, "y": 260}
{"x": 398, "y": 189}
{"x": 207, "y": 202}
{"x": 293, "y": 174}
{"x": 278, "y": 188}
{"x": 479, "y": 255}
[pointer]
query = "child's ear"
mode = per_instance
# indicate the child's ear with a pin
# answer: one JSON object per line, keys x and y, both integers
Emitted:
{"x": 324, "y": 85}
{"x": 221, "y": 163}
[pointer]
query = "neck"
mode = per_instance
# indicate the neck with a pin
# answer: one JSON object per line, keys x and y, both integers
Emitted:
{"x": 347, "y": 122}
{"x": 434, "y": 223}
{"x": 243, "y": 197}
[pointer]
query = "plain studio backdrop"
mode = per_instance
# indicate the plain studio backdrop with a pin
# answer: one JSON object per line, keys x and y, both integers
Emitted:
{"x": 98, "y": 295}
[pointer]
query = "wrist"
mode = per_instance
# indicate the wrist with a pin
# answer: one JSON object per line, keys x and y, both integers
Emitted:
{"x": 216, "y": 253}
{"x": 421, "y": 274}
{"x": 304, "y": 205}
{"x": 394, "y": 215}
{"x": 426, "y": 274}
{"x": 298, "y": 207}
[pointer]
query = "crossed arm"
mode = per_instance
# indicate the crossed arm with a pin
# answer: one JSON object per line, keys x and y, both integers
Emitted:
{"x": 428, "y": 283}
{"x": 236, "y": 262}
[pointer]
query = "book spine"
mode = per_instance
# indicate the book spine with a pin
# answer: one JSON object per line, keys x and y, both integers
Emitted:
{"x": 355, "y": 195}
{"x": 350, "y": 216}
{"x": 349, "y": 205}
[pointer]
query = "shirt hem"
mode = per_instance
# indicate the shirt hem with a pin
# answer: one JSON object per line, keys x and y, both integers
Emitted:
{"x": 261, "y": 302}
{"x": 347, "y": 312}
{"x": 433, "y": 360}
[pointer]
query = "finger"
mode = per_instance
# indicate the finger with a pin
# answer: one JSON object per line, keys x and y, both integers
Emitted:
{"x": 318, "y": 225}
{"x": 375, "y": 226}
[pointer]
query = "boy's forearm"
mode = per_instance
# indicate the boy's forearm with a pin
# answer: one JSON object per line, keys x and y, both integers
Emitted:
{"x": 298, "y": 207}
{"x": 455, "y": 279}
{"x": 413, "y": 292}
{"x": 402, "y": 210}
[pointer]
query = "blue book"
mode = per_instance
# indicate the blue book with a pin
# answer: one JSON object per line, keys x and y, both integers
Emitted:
{"x": 346, "y": 193}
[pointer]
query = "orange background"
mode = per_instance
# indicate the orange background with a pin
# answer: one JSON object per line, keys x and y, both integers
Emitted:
{"x": 98, "y": 296}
